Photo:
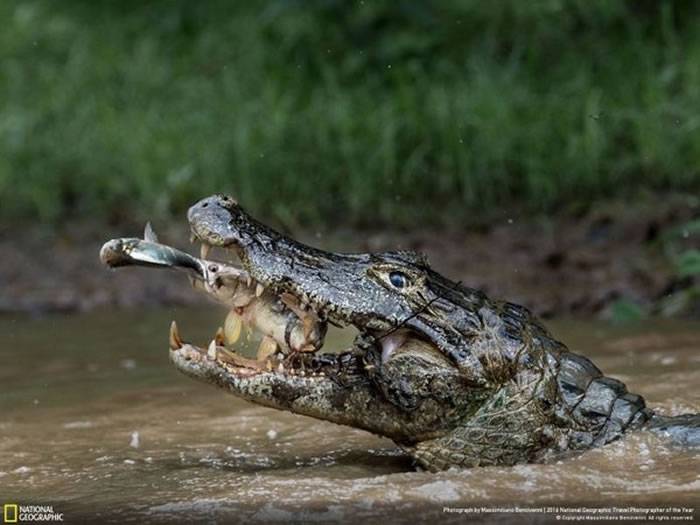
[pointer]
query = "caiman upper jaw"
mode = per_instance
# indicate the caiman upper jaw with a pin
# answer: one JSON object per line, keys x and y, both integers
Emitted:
{"x": 267, "y": 256}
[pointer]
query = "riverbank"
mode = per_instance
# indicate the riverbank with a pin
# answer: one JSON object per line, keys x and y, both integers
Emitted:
{"x": 617, "y": 262}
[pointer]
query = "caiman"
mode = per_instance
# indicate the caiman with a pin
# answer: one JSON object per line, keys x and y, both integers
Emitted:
{"x": 454, "y": 378}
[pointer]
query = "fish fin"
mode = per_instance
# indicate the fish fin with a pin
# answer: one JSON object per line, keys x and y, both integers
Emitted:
{"x": 148, "y": 233}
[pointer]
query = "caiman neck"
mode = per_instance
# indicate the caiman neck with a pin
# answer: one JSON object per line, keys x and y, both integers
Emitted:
{"x": 560, "y": 403}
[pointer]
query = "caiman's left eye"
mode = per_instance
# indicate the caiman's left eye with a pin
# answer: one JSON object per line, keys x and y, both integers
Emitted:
{"x": 398, "y": 279}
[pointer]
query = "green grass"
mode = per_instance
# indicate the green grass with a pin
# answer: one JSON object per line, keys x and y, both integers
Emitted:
{"x": 333, "y": 112}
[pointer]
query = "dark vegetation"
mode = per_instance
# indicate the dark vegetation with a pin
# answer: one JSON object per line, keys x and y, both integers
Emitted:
{"x": 397, "y": 116}
{"x": 367, "y": 113}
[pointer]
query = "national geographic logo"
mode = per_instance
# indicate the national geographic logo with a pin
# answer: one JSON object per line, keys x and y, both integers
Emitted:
{"x": 9, "y": 513}
{"x": 14, "y": 513}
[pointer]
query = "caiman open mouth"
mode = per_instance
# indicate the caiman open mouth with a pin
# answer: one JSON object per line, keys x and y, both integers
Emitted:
{"x": 224, "y": 355}
{"x": 291, "y": 330}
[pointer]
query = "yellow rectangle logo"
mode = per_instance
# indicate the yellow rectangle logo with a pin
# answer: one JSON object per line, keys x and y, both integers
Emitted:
{"x": 9, "y": 513}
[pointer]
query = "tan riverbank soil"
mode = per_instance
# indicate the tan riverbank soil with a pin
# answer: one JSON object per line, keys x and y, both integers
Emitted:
{"x": 557, "y": 266}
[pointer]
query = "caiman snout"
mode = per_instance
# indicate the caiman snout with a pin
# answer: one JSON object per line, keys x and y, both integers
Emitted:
{"x": 214, "y": 219}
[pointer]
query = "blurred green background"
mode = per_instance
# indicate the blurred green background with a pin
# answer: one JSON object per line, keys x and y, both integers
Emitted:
{"x": 363, "y": 112}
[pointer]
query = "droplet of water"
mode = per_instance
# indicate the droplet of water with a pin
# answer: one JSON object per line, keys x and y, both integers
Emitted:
{"x": 128, "y": 364}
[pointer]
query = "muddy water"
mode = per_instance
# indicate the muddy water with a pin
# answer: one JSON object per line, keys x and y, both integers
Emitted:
{"x": 95, "y": 422}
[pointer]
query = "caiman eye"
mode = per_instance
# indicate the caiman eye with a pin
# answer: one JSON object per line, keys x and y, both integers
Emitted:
{"x": 398, "y": 279}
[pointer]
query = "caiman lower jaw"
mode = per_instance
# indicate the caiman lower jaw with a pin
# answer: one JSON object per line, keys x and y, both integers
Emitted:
{"x": 193, "y": 359}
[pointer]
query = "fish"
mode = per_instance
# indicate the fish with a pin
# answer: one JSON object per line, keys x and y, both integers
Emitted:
{"x": 132, "y": 251}
{"x": 282, "y": 325}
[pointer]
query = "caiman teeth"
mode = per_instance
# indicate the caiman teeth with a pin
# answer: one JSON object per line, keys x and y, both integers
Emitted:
{"x": 211, "y": 351}
{"x": 204, "y": 250}
{"x": 259, "y": 289}
{"x": 175, "y": 340}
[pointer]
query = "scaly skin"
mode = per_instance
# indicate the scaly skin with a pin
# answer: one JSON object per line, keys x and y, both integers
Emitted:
{"x": 454, "y": 378}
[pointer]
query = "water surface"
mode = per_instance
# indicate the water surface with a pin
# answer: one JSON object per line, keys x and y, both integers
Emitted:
{"x": 97, "y": 423}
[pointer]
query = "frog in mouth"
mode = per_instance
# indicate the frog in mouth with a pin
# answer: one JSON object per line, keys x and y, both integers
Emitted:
{"x": 454, "y": 378}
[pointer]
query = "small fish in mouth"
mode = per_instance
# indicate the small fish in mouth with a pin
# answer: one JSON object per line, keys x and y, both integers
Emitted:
{"x": 287, "y": 328}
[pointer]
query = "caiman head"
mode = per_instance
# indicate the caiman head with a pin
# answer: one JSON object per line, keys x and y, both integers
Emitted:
{"x": 454, "y": 378}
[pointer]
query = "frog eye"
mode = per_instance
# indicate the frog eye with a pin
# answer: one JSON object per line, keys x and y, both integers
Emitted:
{"x": 398, "y": 279}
